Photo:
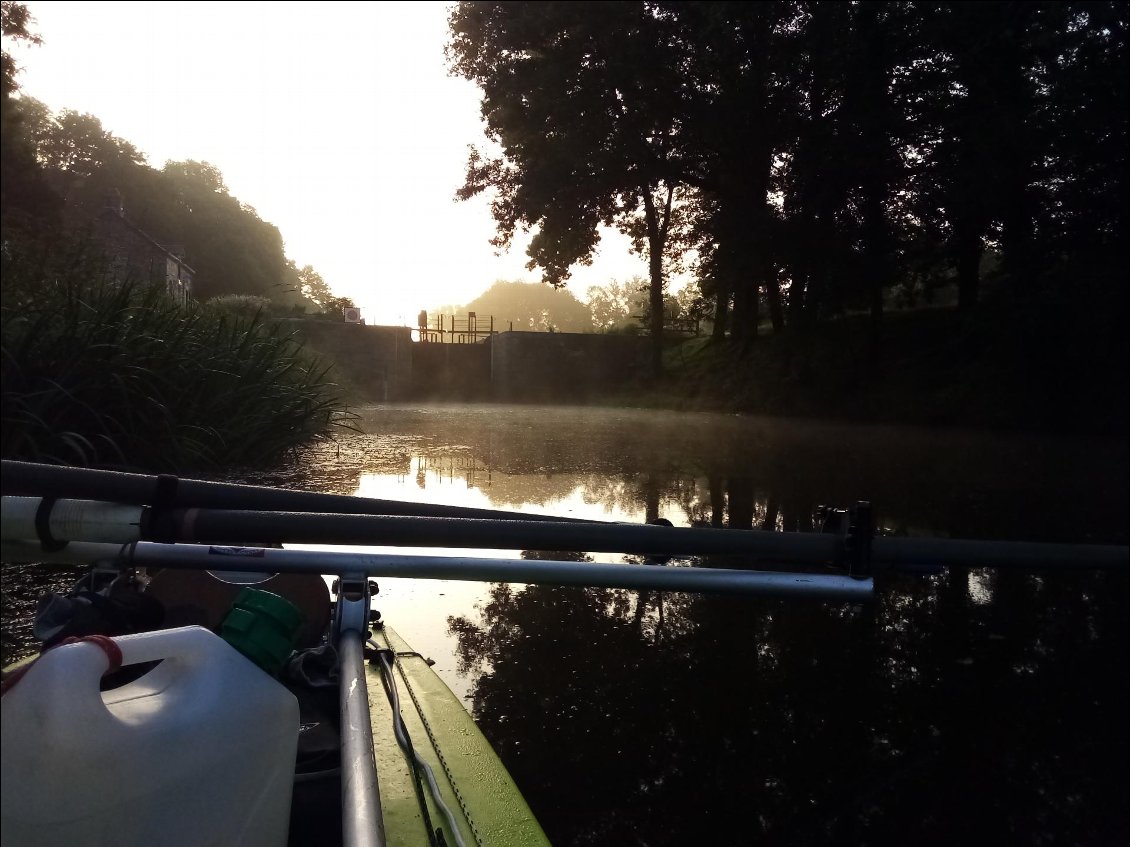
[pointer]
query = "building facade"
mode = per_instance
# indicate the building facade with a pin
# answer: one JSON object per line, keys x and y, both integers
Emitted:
{"x": 136, "y": 256}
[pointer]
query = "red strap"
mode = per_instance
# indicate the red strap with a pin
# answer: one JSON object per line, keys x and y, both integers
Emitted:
{"x": 108, "y": 645}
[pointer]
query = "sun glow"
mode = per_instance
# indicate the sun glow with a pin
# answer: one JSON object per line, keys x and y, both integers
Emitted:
{"x": 337, "y": 122}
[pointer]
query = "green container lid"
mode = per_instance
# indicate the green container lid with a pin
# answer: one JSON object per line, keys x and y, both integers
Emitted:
{"x": 263, "y": 627}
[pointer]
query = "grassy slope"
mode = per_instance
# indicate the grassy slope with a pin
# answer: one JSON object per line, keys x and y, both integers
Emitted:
{"x": 1044, "y": 369}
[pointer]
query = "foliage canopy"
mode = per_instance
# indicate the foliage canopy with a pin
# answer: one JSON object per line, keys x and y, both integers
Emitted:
{"x": 812, "y": 158}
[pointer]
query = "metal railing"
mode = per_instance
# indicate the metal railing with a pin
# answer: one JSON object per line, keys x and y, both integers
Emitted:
{"x": 455, "y": 329}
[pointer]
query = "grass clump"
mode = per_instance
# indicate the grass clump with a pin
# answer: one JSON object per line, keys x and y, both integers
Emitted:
{"x": 97, "y": 372}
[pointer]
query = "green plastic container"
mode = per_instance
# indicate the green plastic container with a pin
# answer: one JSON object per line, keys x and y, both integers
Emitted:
{"x": 263, "y": 627}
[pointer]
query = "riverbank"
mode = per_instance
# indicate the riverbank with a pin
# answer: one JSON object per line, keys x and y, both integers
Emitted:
{"x": 1046, "y": 369}
{"x": 1037, "y": 367}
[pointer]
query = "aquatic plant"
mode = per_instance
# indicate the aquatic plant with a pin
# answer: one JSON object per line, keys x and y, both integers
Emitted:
{"x": 97, "y": 372}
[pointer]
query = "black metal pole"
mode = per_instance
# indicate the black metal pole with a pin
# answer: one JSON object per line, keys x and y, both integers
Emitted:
{"x": 216, "y": 526}
{"x": 234, "y": 527}
{"x": 38, "y": 480}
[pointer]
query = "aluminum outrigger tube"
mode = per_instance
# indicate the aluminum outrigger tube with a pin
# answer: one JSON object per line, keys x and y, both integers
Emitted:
{"x": 362, "y": 824}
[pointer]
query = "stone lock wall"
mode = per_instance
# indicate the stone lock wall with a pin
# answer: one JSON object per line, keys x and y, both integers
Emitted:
{"x": 564, "y": 366}
{"x": 384, "y": 364}
{"x": 375, "y": 362}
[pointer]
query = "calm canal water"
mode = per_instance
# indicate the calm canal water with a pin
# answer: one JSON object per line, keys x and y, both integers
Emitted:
{"x": 981, "y": 706}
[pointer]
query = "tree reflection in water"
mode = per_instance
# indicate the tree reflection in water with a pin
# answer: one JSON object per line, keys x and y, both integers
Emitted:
{"x": 979, "y": 707}
{"x": 932, "y": 715}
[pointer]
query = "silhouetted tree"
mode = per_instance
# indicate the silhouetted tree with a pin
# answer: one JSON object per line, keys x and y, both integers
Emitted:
{"x": 617, "y": 304}
{"x": 531, "y": 306}
{"x": 70, "y": 159}
{"x": 27, "y": 204}
{"x": 313, "y": 287}
{"x": 78, "y": 144}
{"x": 1082, "y": 58}
{"x": 584, "y": 109}
{"x": 731, "y": 54}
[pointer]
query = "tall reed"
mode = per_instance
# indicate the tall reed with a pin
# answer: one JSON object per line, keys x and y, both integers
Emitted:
{"x": 97, "y": 372}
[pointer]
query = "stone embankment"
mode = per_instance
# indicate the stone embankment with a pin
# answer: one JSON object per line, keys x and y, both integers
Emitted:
{"x": 388, "y": 364}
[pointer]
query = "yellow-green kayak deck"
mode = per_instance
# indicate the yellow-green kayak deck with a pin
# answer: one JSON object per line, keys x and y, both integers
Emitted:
{"x": 475, "y": 785}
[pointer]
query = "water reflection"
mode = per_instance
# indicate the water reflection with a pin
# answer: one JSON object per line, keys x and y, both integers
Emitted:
{"x": 976, "y": 705}
{"x": 692, "y": 719}
{"x": 959, "y": 706}
{"x": 702, "y": 468}
{"x": 979, "y": 705}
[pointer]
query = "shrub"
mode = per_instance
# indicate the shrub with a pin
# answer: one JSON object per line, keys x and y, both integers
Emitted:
{"x": 244, "y": 305}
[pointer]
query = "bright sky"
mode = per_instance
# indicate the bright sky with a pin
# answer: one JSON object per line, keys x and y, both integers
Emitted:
{"x": 337, "y": 122}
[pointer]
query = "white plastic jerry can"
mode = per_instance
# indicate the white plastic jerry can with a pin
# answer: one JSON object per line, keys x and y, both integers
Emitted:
{"x": 198, "y": 751}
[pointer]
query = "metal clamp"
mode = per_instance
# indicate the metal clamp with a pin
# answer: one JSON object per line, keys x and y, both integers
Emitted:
{"x": 351, "y": 612}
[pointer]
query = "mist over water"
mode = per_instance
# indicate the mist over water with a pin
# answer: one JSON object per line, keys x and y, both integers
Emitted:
{"x": 702, "y": 468}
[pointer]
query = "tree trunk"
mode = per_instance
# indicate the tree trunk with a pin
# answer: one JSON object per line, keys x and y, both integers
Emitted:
{"x": 879, "y": 265}
{"x": 754, "y": 312}
{"x": 874, "y": 114}
{"x": 721, "y": 314}
{"x": 743, "y": 261}
{"x": 741, "y": 502}
{"x": 655, "y": 239}
{"x": 740, "y": 329}
{"x": 797, "y": 289}
{"x": 773, "y": 296}
{"x": 717, "y": 502}
{"x": 969, "y": 249}
{"x": 772, "y": 511}
{"x": 651, "y": 498}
